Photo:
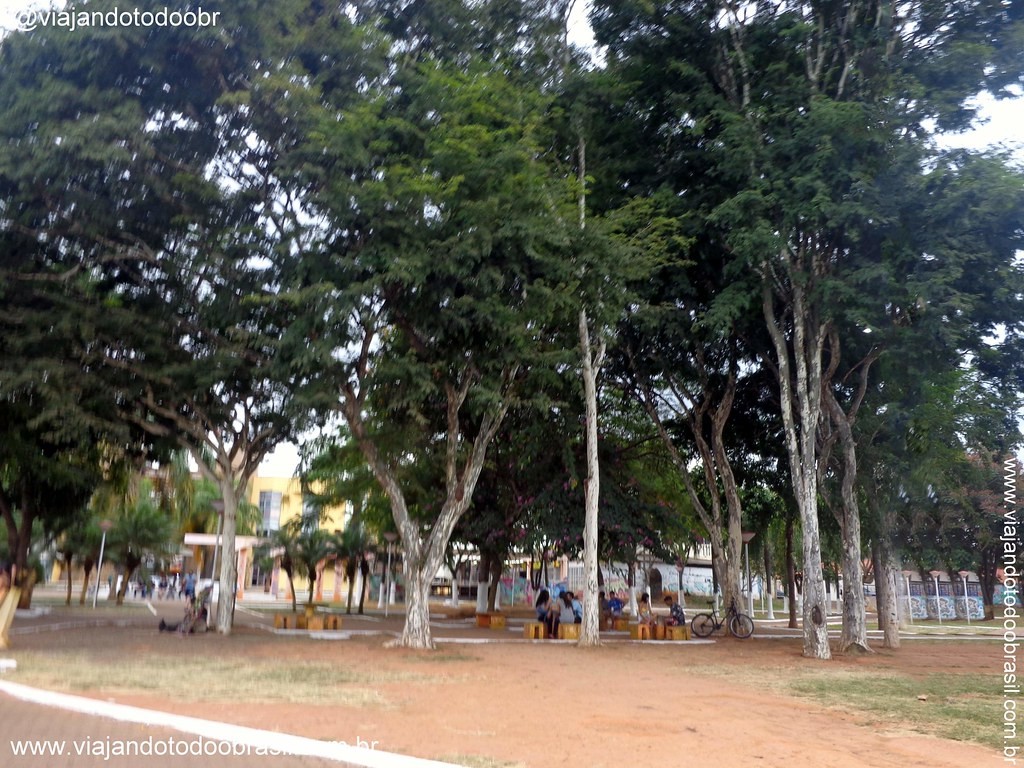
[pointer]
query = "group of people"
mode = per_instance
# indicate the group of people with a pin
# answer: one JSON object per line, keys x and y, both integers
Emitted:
{"x": 645, "y": 615}
{"x": 167, "y": 588}
{"x": 566, "y": 608}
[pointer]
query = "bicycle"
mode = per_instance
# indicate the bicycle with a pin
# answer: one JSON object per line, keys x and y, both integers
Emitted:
{"x": 739, "y": 624}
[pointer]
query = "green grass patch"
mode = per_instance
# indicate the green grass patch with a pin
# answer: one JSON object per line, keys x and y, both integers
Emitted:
{"x": 959, "y": 707}
{"x": 196, "y": 678}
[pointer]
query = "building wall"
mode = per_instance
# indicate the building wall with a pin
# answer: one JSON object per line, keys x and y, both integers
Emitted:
{"x": 290, "y": 500}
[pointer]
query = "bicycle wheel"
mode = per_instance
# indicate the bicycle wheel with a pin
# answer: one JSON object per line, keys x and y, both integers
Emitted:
{"x": 702, "y": 625}
{"x": 741, "y": 626}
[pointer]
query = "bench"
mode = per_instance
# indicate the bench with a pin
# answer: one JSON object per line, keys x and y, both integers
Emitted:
{"x": 534, "y": 630}
{"x": 620, "y": 623}
{"x": 640, "y": 631}
{"x": 681, "y": 632}
{"x": 317, "y": 622}
{"x": 568, "y": 631}
{"x": 497, "y": 621}
{"x": 7, "y": 608}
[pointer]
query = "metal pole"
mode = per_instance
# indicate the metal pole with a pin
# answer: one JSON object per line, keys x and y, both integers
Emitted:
{"x": 750, "y": 591}
{"x": 387, "y": 583}
{"x": 967, "y": 605}
{"x": 910, "y": 604}
{"x": 938, "y": 605}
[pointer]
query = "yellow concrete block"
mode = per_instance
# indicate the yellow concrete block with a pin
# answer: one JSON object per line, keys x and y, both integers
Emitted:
{"x": 682, "y": 632}
{"x": 568, "y": 631}
{"x": 534, "y": 630}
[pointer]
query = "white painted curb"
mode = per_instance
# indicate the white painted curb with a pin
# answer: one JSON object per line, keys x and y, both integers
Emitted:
{"x": 282, "y": 743}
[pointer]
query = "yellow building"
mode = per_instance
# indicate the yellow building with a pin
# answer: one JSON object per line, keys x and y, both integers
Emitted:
{"x": 280, "y": 500}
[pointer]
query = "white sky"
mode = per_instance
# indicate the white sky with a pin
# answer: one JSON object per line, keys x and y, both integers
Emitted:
{"x": 1001, "y": 125}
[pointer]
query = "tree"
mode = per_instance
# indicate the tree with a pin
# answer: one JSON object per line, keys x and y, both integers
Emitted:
{"x": 427, "y": 291}
{"x": 808, "y": 118}
{"x": 157, "y": 257}
{"x": 140, "y": 529}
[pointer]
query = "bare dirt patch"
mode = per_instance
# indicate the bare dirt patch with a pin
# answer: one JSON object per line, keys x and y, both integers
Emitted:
{"x": 529, "y": 704}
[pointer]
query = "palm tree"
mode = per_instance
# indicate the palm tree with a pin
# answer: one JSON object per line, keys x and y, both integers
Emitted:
{"x": 353, "y": 545}
{"x": 142, "y": 528}
{"x": 283, "y": 544}
{"x": 80, "y": 542}
{"x": 314, "y": 546}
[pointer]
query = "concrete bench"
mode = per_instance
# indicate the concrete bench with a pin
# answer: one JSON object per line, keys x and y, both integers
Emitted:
{"x": 568, "y": 631}
{"x": 640, "y": 631}
{"x": 534, "y": 630}
{"x": 7, "y": 608}
{"x": 681, "y": 632}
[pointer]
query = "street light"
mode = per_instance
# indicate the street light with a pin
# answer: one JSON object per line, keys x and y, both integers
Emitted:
{"x": 938, "y": 605}
{"x": 105, "y": 525}
{"x": 747, "y": 536}
{"x": 967, "y": 605}
{"x": 389, "y": 537}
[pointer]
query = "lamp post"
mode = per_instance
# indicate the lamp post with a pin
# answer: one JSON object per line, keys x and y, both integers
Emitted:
{"x": 967, "y": 605}
{"x": 105, "y": 525}
{"x": 938, "y": 605}
{"x": 218, "y": 507}
{"x": 747, "y": 536}
{"x": 390, "y": 538}
{"x": 910, "y": 598}
{"x": 680, "y": 567}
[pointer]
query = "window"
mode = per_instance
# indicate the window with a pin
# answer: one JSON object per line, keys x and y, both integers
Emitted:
{"x": 270, "y": 510}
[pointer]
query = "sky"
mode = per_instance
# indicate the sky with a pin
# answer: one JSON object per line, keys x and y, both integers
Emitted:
{"x": 1001, "y": 124}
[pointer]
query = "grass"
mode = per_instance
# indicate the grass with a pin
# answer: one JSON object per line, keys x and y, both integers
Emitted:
{"x": 954, "y": 706}
{"x": 958, "y": 706}
{"x": 201, "y": 679}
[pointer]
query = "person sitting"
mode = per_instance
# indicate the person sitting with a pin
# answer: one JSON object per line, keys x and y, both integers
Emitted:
{"x": 577, "y": 608}
{"x": 676, "y": 617}
{"x": 644, "y": 614}
{"x": 542, "y": 604}
{"x": 614, "y": 606}
{"x": 603, "y": 611}
{"x": 561, "y": 612}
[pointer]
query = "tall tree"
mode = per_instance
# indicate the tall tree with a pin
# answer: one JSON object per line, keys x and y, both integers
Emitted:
{"x": 427, "y": 280}
{"x": 809, "y": 118}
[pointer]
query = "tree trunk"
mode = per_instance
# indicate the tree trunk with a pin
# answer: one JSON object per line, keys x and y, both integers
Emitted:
{"x": 483, "y": 571}
{"x": 590, "y": 631}
{"x": 228, "y": 562}
{"x": 886, "y": 592}
{"x": 494, "y": 582}
{"x": 130, "y": 564}
{"x": 855, "y": 630}
{"x": 87, "y": 566}
{"x": 350, "y": 575}
{"x": 769, "y": 580}
{"x": 67, "y": 572}
{"x": 801, "y": 414}
{"x": 791, "y": 573}
{"x": 364, "y": 571}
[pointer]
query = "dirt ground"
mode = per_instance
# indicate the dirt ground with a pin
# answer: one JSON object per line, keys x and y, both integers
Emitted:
{"x": 553, "y": 704}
